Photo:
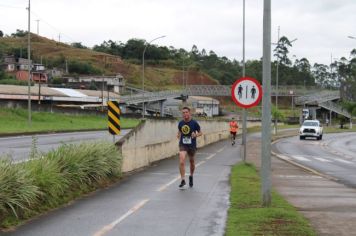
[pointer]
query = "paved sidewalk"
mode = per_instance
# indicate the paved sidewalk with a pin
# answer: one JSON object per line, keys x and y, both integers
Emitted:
{"x": 329, "y": 206}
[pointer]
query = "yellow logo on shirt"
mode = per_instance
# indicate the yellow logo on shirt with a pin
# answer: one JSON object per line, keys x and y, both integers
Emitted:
{"x": 185, "y": 129}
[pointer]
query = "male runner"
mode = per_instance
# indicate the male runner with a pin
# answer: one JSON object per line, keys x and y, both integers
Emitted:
{"x": 188, "y": 131}
{"x": 233, "y": 130}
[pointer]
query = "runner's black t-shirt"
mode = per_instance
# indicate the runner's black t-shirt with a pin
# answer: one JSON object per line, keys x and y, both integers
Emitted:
{"x": 186, "y": 129}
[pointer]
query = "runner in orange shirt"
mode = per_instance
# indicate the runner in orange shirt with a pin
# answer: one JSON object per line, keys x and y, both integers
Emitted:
{"x": 234, "y": 126}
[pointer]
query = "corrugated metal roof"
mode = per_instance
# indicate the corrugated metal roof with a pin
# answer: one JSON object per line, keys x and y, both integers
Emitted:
{"x": 70, "y": 92}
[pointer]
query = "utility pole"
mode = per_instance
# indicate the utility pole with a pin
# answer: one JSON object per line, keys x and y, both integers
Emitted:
{"x": 29, "y": 61}
{"x": 66, "y": 66}
{"x": 244, "y": 124}
{"x": 39, "y": 90}
{"x": 59, "y": 38}
{"x": 277, "y": 92}
{"x": 266, "y": 107}
{"x": 38, "y": 27}
{"x": 102, "y": 93}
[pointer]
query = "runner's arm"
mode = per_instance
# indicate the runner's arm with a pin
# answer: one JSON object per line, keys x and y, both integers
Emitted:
{"x": 197, "y": 134}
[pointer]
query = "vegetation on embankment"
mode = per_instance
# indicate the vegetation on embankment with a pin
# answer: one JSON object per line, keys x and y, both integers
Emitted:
{"x": 48, "y": 181}
{"x": 16, "y": 121}
{"x": 246, "y": 215}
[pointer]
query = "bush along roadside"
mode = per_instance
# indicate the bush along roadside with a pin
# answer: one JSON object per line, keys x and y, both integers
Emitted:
{"x": 246, "y": 215}
{"x": 51, "y": 180}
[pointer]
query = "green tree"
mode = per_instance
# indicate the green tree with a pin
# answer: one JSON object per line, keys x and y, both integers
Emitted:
{"x": 78, "y": 45}
{"x": 321, "y": 74}
{"x": 281, "y": 51}
{"x": 1, "y": 34}
{"x": 82, "y": 68}
{"x": 347, "y": 75}
{"x": 19, "y": 33}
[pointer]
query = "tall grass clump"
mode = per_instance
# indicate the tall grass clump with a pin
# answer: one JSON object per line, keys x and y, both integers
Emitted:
{"x": 50, "y": 180}
{"x": 17, "y": 190}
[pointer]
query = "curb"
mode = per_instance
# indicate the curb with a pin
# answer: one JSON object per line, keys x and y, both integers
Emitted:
{"x": 5, "y": 135}
{"x": 305, "y": 168}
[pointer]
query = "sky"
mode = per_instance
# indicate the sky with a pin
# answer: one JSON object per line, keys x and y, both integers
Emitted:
{"x": 321, "y": 27}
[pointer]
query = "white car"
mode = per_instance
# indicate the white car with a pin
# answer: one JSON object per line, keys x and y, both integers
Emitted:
{"x": 311, "y": 128}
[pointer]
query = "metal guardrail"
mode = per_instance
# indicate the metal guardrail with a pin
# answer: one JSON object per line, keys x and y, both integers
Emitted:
{"x": 151, "y": 97}
{"x": 225, "y": 90}
{"x": 314, "y": 98}
{"x": 317, "y": 98}
{"x": 332, "y": 106}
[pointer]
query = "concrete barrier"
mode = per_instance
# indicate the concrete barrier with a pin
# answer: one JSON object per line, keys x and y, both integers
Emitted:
{"x": 154, "y": 140}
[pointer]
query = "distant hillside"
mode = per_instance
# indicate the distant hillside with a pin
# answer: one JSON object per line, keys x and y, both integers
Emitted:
{"x": 55, "y": 54}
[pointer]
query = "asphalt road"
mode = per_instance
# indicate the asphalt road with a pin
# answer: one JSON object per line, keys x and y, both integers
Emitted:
{"x": 335, "y": 155}
{"x": 19, "y": 147}
{"x": 150, "y": 203}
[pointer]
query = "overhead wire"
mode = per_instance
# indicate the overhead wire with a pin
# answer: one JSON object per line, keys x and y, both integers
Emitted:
{"x": 42, "y": 20}
{"x": 53, "y": 27}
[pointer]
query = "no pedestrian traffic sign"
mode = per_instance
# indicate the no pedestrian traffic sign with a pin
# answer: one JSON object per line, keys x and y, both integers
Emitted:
{"x": 246, "y": 92}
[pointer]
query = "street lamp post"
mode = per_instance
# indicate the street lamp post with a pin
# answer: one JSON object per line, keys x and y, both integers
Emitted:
{"x": 277, "y": 71}
{"x": 143, "y": 74}
{"x": 244, "y": 113}
{"x": 29, "y": 62}
{"x": 351, "y": 37}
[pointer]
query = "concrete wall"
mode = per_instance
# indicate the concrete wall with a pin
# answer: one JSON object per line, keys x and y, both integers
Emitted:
{"x": 155, "y": 140}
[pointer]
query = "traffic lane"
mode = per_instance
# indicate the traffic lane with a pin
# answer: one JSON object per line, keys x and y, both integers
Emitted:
{"x": 19, "y": 147}
{"x": 150, "y": 202}
{"x": 200, "y": 210}
{"x": 344, "y": 144}
{"x": 316, "y": 154}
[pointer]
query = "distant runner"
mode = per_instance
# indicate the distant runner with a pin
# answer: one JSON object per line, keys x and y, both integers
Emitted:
{"x": 234, "y": 126}
{"x": 188, "y": 131}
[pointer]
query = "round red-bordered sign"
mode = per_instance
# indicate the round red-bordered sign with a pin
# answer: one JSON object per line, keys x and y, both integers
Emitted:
{"x": 246, "y": 92}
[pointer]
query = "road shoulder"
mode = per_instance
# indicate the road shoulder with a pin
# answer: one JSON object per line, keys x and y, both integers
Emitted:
{"x": 329, "y": 206}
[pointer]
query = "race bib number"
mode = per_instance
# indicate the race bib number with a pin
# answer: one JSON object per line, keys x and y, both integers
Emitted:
{"x": 186, "y": 140}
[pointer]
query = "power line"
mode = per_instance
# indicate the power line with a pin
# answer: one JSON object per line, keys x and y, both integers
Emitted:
{"x": 53, "y": 27}
{"x": 42, "y": 20}
{"x": 9, "y": 6}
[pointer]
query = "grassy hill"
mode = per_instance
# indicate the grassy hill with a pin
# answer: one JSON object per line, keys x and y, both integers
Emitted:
{"x": 54, "y": 53}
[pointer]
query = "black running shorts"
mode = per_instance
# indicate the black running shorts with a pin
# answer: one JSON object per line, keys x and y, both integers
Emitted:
{"x": 190, "y": 150}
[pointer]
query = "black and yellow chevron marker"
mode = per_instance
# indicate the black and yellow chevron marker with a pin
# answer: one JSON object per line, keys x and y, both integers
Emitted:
{"x": 114, "y": 117}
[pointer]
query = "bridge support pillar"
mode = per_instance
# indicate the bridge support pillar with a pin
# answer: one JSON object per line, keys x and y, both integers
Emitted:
{"x": 330, "y": 117}
{"x": 161, "y": 108}
{"x": 144, "y": 106}
{"x": 351, "y": 122}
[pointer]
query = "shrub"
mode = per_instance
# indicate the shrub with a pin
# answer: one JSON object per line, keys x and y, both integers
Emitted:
{"x": 50, "y": 180}
{"x": 18, "y": 192}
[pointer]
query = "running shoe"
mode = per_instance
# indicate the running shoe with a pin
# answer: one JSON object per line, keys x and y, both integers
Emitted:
{"x": 182, "y": 183}
{"x": 190, "y": 181}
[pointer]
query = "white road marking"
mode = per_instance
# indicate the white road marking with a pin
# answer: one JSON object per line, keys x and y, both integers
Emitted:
{"x": 322, "y": 159}
{"x": 200, "y": 163}
{"x": 110, "y": 226}
{"x": 211, "y": 156}
{"x": 300, "y": 158}
{"x": 204, "y": 153}
{"x": 221, "y": 149}
{"x": 343, "y": 161}
{"x": 163, "y": 187}
{"x": 299, "y": 176}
